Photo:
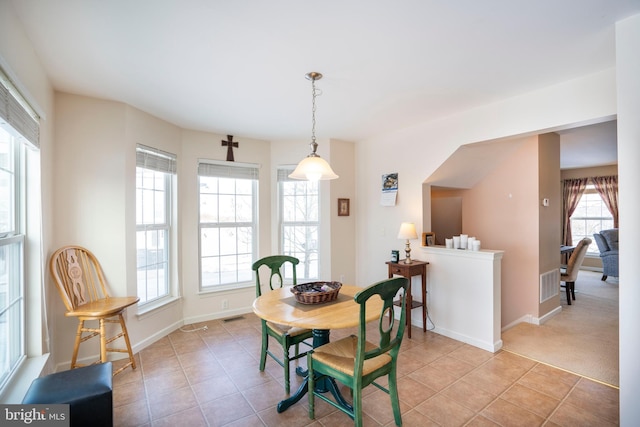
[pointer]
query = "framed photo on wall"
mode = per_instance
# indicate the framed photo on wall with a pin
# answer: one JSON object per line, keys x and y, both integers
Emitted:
{"x": 428, "y": 239}
{"x": 343, "y": 207}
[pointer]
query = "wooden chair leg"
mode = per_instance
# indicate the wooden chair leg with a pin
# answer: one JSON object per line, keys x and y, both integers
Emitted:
{"x": 285, "y": 359}
{"x": 76, "y": 346}
{"x": 123, "y": 326}
{"x": 604, "y": 277}
{"x": 103, "y": 341}
{"x": 312, "y": 386}
{"x": 393, "y": 394}
{"x": 357, "y": 406}
{"x": 264, "y": 349}
{"x": 568, "y": 289}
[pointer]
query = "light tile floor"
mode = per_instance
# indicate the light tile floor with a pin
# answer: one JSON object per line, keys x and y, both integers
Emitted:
{"x": 211, "y": 378}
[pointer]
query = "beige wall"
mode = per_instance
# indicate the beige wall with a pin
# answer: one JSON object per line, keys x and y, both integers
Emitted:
{"x": 588, "y": 172}
{"x": 501, "y": 211}
{"x": 417, "y": 151}
{"x": 202, "y": 145}
{"x": 95, "y": 202}
{"x": 446, "y": 213}
{"x": 549, "y": 217}
{"x": 337, "y": 234}
{"x": 343, "y": 229}
{"x": 504, "y": 211}
{"x": 22, "y": 65}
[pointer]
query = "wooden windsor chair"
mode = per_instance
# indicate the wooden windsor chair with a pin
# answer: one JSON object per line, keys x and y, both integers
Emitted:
{"x": 82, "y": 286}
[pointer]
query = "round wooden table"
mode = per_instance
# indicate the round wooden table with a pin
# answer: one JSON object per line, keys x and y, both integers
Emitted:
{"x": 280, "y": 306}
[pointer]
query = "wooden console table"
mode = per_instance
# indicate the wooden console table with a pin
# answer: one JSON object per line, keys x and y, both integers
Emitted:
{"x": 409, "y": 270}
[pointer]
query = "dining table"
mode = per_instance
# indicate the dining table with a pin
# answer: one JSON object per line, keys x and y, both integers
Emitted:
{"x": 281, "y": 306}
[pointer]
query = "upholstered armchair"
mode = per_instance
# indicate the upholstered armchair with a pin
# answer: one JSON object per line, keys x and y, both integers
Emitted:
{"x": 607, "y": 241}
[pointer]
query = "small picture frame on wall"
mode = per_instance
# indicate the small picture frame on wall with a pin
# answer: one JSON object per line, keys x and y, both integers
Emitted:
{"x": 343, "y": 207}
{"x": 428, "y": 239}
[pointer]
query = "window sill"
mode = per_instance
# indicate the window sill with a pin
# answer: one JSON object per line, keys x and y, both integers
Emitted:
{"x": 149, "y": 309}
{"x": 226, "y": 288}
{"x": 17, "y": 387}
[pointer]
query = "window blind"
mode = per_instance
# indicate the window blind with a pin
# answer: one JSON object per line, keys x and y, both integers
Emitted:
{"x": 283, "y": 174}
{"x": 17, "y": 111}
{"x": 154, "y": 159}
{"x": 225, "y": 170}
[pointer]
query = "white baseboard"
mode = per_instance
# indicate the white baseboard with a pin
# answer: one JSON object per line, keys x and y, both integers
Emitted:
{"x": 218, "y": 315}
{"x": 529, "y": 318}
{"x": 136, "y": 348}
{"x": 549, "y": 315}
{"x": 484, "y": 345}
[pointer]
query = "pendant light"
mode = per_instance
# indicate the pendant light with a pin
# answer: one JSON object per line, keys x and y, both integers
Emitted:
{"x": 313, "y": 167}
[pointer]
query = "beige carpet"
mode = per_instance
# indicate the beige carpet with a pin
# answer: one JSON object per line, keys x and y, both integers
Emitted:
{"x": 583, "y": 338}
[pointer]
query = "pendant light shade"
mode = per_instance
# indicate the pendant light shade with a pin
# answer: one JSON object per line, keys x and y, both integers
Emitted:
{"x": 313, "y": 167}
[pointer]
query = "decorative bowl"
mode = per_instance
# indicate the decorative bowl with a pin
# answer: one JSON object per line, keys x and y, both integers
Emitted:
{"x": 316, "y": 292}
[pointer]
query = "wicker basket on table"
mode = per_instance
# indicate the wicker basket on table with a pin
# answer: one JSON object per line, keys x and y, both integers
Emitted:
{"x": 316, "y": 292}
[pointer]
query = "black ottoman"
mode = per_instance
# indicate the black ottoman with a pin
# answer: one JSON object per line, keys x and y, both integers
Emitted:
{"x": 87, "y": 390}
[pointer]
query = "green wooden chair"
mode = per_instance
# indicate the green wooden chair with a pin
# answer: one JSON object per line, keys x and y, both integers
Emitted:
{"x": 285, "y": 335}
{"x": 356, "y": 362}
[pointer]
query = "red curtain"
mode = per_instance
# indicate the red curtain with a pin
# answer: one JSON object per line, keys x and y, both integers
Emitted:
{"x": 607, "y": 186}
{"x": 572, "y": 190}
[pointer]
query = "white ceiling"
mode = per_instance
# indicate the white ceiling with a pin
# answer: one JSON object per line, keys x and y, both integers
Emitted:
{"x": 237, "y": 67}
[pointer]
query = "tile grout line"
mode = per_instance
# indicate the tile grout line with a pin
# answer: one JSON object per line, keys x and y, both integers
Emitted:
{"x": 565, "y": 370}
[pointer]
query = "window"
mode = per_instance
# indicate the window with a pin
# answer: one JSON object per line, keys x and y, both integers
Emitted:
{"x": 11, "y": 248}
{"x": 299, "y": 212}
{"x": 591, "y": 216}
{"x": 19, "y": 129}
{"x": 228, "y": 224}
{"x": 154, "y": 174}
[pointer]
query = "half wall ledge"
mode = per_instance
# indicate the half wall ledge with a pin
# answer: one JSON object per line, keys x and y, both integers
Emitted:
{"x": 463, "y": 294}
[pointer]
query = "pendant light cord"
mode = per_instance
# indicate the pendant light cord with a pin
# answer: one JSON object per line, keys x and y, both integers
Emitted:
{"x": 314, "y": 144}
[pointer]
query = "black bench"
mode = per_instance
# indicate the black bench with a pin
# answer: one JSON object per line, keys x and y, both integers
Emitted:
{"x": 87, "y": 390}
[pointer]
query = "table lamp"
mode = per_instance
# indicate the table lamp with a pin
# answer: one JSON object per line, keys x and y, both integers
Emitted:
{"x": 407, "y": 231}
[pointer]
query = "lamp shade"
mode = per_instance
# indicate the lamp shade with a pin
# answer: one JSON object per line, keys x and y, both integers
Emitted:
{"x": 407, "y": 231}
{"x": 313, "y": 168}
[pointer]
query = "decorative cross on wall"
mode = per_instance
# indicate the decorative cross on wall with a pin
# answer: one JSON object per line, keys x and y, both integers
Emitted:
{"x": 229, "y": 144}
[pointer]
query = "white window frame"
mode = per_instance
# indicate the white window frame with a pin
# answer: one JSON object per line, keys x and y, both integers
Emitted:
{"x": 226, "y": 265}
{"x": 308, "y": 252}
{"x": 12, "y": 284}
{"x": 21, "y": 130}
{"x": 592, "y": 196}
{"x": 162, "y": 165}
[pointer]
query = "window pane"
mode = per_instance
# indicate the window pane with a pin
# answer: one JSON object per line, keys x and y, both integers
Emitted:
{"x": 591, "y": 216}
{"x": 13, "y": 206}
{"x": 208, "y": 208}
{"x": 11, "y": 307}
{"x": 210, "y": 271}
{"x": 244, "y": 212}
{"x": 228, "y": 240}
{"x": 153, "y": 230}
{"x": 227, "y": 208}
{"x": 7, "y": 183}
{"x": 299, "y": 224}
{"x": 227, "y": 228}
{"x": 209, "y": 242}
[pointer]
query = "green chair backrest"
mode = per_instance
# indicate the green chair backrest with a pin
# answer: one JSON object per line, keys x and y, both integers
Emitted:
{"x": 275, "y": 264}
{"x": 388, "y": 341}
